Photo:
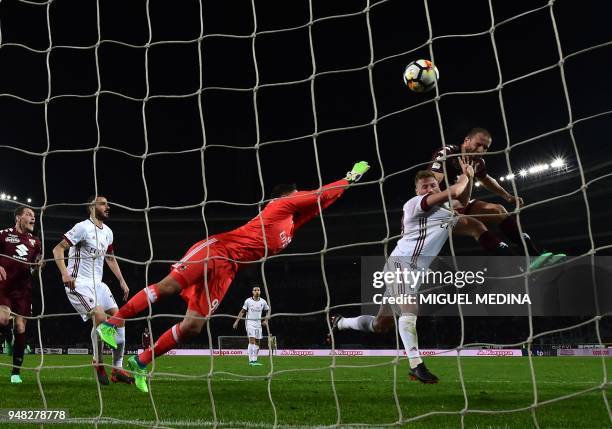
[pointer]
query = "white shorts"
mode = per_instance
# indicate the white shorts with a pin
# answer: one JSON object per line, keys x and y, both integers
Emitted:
{"x": 403, "y": 286}
{"x": 254, "y": 332}
{"x": 85, "y": 297}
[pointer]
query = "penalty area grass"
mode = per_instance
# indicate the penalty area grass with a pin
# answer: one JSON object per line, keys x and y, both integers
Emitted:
{"x": 302, "y": 393}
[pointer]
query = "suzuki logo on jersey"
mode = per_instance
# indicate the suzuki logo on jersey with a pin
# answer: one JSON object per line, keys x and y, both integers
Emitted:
{"x": 22, "y": 250}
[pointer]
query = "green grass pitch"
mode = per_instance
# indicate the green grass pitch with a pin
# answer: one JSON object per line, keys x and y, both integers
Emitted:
{"x": 303, "y": 397}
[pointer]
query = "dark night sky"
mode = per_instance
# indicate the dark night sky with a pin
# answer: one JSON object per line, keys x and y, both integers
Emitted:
{"x": 533, "y": 106}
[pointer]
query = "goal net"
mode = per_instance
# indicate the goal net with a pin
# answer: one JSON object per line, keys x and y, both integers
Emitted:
{"x": 186, "y": 114}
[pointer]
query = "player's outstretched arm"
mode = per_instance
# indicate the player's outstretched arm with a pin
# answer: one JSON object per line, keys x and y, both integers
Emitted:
{"x": 239, "y": 318}
{"x": 306, "y": 204}
{"x": 112, "y": 263}
{"x": 493, "y": 185}
{"x": 58, "y": 255}
{"x": 303, "y": 201}
{"x": 454, "y": 192}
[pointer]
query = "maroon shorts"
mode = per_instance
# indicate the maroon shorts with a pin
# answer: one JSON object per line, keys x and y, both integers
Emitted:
{"x": 467, "y": 209}
{"x": 18, "y": 301}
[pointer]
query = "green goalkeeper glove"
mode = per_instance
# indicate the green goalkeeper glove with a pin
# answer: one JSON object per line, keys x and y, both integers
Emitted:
{"x": 359, "y": 169}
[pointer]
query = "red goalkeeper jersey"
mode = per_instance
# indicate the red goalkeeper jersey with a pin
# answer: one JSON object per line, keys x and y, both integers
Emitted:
{"x": 280, "y": 219}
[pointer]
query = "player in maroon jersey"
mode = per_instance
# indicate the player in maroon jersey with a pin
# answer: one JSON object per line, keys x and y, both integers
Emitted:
{"x": 20, "y": 255}
{"x": 206, "y": 271}
{"x": 476, "y": 143}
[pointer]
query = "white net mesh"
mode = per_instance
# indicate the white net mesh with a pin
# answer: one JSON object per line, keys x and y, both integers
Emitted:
{"x": 383, "y": 173}
{"x": 233, "y": 342}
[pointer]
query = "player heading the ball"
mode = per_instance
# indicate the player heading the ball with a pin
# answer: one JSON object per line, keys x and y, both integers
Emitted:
{"x": 483, "y": 214}
{"x": 206, "y": 271}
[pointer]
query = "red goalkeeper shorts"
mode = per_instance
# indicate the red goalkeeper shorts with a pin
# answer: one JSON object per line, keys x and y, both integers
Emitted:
{"x": 205, "y": 274}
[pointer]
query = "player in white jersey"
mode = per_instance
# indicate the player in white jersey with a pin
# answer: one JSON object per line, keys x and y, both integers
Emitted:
{"x": 425, "y": 227}
{"x": 253, "y": 307}
{"x": 90, "y": 243}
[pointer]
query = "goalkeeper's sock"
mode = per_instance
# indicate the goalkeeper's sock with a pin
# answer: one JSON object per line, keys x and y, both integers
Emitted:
{"x": 135, "y": 305}
{"x": 408, "y": 333}
{"x": 509, "y": 227}
{"x": 18, "y": 351}
{"x": 255, "y": 351}
{"x": 169, "y": 340}
{"x": 360, "y": 323}
{"x": 118, "y": 352}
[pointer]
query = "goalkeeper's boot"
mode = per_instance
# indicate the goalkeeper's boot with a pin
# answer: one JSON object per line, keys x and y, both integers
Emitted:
{"x": 422, "y": 374}
{"x": 16, "y": 379}
{"x": 107, "y": 332}
{"x": 540, "y": 261}
{"x": 255, "y": 363}
{"x": 121, "y": 376}
{"x": 101, "y": 374}
{"x": 140, "y": 374}
{"x": 333, "y": 321}
{"x": 8, "y": 348}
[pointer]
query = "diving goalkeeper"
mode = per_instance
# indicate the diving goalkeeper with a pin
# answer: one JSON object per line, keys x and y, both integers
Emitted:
{"x": 204, "y": 274}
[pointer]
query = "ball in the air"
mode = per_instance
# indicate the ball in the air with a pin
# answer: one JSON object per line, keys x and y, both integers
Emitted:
{"x": 421, "y": 75}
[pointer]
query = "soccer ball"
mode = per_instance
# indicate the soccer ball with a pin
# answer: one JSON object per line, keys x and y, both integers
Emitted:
{"x": 421, "y": 75}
